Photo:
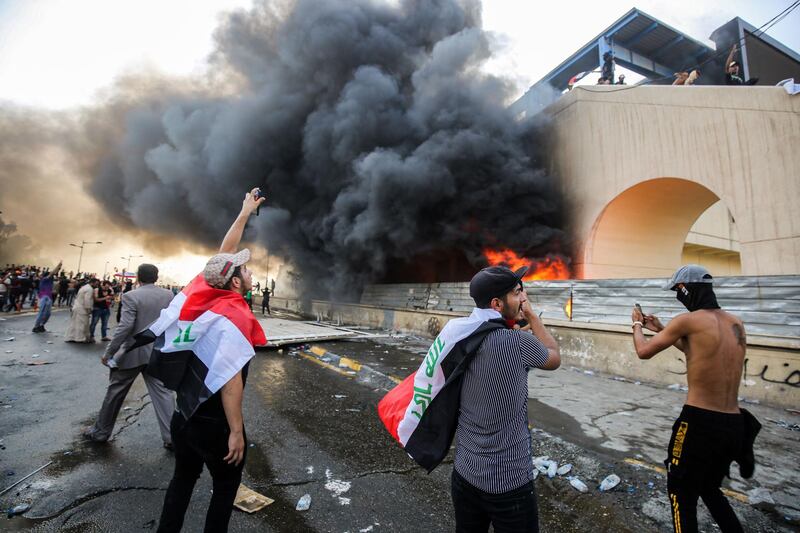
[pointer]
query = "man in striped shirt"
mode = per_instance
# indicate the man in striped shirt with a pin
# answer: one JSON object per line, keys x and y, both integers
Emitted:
{"x": 492, "y": 479}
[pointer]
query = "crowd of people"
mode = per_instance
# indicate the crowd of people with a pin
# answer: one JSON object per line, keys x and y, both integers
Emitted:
{"x": 684, "y": 77}
{"x": 19, "y": 287}
{"x": 40, "y": 288}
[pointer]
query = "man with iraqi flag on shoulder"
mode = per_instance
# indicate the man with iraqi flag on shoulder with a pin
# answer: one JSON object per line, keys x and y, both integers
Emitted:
{"x": 473, "y": 384}
{"x": 203, "y": 345}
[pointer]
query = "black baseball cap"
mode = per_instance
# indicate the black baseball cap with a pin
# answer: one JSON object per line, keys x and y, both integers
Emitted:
{"x": 494, "y": 282}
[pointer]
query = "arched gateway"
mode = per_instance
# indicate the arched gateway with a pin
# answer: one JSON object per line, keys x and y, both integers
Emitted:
{"x": 642, "y": 231}
{"x": 639, "y": 165}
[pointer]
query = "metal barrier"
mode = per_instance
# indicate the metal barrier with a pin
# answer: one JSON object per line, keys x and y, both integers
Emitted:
{"x": 769, "y": 305}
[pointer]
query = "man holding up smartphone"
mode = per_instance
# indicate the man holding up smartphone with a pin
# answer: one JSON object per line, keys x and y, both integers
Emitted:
{"x": 711, "y": 430}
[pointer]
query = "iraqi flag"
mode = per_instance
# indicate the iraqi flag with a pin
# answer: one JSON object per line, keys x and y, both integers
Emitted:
{"x": 421, "y": 412}
{"x": 578, "y": 77}
{"x": 202, "y": 339}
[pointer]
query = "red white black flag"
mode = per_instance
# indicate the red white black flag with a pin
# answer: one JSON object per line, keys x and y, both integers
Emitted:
{"x": 203, "y": 339}
{"x": 421, "y": 412}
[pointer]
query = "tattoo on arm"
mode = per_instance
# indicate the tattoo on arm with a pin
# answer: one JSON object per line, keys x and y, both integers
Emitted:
{"x": 738, "y": 332}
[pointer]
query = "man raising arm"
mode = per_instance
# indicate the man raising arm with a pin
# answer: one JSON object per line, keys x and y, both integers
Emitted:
{"x": 208, "y": 428}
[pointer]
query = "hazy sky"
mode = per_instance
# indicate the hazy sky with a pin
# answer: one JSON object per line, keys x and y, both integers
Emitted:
{"x": 56, "y": 54}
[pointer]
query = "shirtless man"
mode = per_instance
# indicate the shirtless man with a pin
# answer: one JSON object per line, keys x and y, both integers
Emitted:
{"x": 711, "y": 430}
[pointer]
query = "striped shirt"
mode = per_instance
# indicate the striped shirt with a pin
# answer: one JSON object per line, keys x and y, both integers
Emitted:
{"x": 493, "y": 443}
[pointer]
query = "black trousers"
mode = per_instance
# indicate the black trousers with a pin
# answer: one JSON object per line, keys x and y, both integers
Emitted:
{"x": 197, "y": 442}
{"x": 512, "y": 511}
{"x": 700, "y": 452}
{"x": 265, "y": 305}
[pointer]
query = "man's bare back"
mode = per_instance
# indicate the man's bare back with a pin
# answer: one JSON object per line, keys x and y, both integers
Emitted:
{"x": 715, "y": 348}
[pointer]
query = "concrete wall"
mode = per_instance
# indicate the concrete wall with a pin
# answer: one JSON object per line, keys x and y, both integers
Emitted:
{"x": 772, "y": 371}
{"x": 639, "y": 166}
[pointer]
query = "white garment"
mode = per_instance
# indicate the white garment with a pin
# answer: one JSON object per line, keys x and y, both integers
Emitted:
{"x": 78, "y": 328}
{"x": 790, "y": 86}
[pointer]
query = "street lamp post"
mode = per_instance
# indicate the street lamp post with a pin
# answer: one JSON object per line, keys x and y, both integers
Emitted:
{"x": 81, "y": 245}
{"x": 128, "y": 267}
{"x": 105, "y": 269}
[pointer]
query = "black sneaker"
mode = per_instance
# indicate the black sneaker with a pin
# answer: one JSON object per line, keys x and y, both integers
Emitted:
{"x": 38, "y": 329}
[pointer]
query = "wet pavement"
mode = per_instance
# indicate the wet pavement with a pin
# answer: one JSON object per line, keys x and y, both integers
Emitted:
{"x": 313, "y": 429}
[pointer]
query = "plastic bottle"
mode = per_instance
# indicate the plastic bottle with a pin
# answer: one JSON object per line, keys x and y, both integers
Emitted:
{"x": 304, "y": 503}
{"x": 18, "y": 509}
{"x": 578, "y": 485}
{"x": 611, "y": 481}
{"x": 564, "y": 469}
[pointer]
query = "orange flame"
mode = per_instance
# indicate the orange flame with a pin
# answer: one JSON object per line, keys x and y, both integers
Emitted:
{"x": 550, "y": 267}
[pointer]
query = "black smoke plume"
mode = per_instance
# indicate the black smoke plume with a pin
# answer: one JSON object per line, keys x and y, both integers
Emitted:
{"x": 368, "y": 124}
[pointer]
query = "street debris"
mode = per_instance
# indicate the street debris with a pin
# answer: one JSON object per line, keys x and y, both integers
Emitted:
{"x": 784, "y": 424}
{"x": 39, "y": 363}
{"x": 340, "y": 396}
{"x": 249, "y": 500}
{"x": 552, "y": 468}
{"x": 9, "y": 351}
{"x": 310, "y": 469}
{"x": 564, "y": 469}
{"x": 759, "y": 495}
{"x": 303, "y": 503}
{"x": 9, "y": 339}
{"x": 11, "y": 473}
{"x": 578, "y": 485}
{"x": 611, "y": 481}
{"x": 337, "y": 487}
{"x": 35, "y": 355}
{"x": 18, "y": 509}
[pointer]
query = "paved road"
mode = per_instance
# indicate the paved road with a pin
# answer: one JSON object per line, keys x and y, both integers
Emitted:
{"x": 314, "y": 430}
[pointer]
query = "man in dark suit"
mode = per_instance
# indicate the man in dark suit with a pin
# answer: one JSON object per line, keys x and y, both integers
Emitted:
{"x": 140, "y": 308}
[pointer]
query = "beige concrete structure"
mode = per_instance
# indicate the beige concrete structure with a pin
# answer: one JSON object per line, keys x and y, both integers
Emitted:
{"x": 714, "y": 242}
{"x": 639, "y": 166}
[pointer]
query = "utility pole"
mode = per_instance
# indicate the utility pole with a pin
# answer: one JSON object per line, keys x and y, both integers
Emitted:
{"x": 105, "y": 269}
{"x": 128, "y": 266}
{"x": 81, "y": 245}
